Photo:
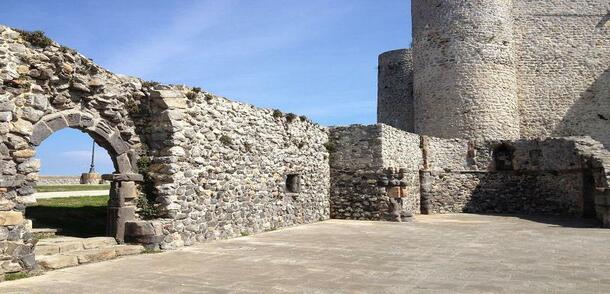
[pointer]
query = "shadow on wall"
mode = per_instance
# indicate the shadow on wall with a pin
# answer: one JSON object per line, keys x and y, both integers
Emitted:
{"x": 590, "y": 115}
{"x": 529, "y": 195}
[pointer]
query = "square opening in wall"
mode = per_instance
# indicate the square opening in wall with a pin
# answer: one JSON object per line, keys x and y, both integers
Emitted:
{"x": 293, "y": 183}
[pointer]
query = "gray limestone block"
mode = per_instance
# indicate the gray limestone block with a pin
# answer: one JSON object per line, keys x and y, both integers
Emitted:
{"x": 73, "y": 119}
{"x": 41, "y": 132}
{"x": 56, "y": 123}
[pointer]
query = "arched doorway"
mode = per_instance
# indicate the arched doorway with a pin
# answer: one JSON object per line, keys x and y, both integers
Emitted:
{"x": 65, "y": 204}
{"x": 123, "y": 189}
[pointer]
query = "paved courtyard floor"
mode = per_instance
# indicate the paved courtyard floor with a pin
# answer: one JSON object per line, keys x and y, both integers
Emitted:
{"x": 434, "y": 254}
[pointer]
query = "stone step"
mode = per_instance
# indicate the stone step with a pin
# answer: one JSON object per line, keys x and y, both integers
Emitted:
{"x": 52, "y": 262}
{"x": 43, "y": 233}
{"x": 62, "y": 251}
{"x": 63, "y": 244}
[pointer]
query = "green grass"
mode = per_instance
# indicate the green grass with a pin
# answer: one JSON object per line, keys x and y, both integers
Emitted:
{"x": 74, "y": 216}
{"x": 151, "y": 251}
{"x": 64, "y": 188}
{"x": 15, "y": 276}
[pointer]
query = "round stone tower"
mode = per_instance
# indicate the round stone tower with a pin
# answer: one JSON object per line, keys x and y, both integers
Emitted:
{"x": 465, "y": 83}
{"x": 395, "y": 89}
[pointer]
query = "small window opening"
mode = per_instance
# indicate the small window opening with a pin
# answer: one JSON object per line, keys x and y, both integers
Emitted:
{"x": 293, "y": 183}
{"x": 503, "y": 157}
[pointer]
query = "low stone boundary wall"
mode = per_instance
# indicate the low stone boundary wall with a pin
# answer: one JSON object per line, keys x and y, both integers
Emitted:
{"x": 58, "y": 180}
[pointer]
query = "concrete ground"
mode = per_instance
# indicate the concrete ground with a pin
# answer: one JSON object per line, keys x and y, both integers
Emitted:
{"x": 435, "y": 254}
{"x": 65, "y": 194}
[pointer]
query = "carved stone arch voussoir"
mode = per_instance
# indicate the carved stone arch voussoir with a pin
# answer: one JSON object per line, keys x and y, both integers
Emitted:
{"x": 102, "y": 133}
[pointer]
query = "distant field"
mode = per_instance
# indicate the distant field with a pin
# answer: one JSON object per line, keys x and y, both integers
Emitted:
{"x": 64, "y": 188}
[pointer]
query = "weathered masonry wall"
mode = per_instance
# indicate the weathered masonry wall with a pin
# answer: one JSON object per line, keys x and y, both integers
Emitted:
{"x": 229, "y": 164}
{"x": 207, "y": 167}
{"x": 361, "y": 157}
{"x": 560, "y": 176}
{"x": 535, "y": 177}
{"x": 563, "y": 53}
{"x": 565, "y": 176}
{"x": 395, "y": 90}
{"x": 44, "y": 88}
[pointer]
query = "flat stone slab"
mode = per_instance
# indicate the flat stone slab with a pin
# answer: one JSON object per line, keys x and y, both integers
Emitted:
{"x": 433, "y": 254}
{"x": 93, "y": 255}
{"x": 46, "y": 249}
{"x": 98, "y": 242}
{"x": 56, "y": 261}
{"x": 122, "y": 250}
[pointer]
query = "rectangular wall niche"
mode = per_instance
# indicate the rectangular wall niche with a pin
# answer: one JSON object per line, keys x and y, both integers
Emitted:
{"x": 293, "y": 183}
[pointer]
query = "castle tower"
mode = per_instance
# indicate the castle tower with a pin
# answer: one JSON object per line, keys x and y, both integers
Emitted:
{"x": 395, "y": 90}
{"x": 465, "y": 83}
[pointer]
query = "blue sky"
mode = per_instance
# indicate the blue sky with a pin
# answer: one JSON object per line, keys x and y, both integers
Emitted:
{"x": 315, "y": 57}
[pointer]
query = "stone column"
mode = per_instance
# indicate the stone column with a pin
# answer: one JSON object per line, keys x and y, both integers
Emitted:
{"x": 122, "y": 203}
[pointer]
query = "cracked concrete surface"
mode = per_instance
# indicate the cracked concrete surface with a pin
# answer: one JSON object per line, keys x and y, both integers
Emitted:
{"x": 434, "y": 254}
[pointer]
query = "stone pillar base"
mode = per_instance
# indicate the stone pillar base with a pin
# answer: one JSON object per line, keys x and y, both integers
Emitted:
{"x": 90, "y": 178}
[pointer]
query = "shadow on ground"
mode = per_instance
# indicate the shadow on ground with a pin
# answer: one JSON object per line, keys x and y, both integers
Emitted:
{"x": 553, "y": 220}
{"x": 75, "y": 216}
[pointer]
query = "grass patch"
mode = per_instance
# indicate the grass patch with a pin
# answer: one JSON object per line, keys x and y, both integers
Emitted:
{"x": 66, "y": 188}
{"x": 75, "y": 216}
{"x": 151, "y": 251}
{"x": 15, "y": 276}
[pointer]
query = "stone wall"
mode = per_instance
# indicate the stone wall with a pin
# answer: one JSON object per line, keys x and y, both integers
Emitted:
{"x": 229, "y": 165}
{"x": 559, "y": 176}
{"x": 58, "y": 180}
{"x": 208, "y": 167}
{"x": 543, "y": 177}
{"x": 401, "y": 150}
{"x": 361, "y": 157}
{"x": 44, "y": 88}
{"x": 395, "y": 90}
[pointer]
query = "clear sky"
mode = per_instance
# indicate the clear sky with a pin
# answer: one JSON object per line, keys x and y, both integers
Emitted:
{"x": 314, "y": 57}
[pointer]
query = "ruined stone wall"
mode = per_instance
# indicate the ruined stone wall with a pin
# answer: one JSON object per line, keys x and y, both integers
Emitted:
{"x": 401, "y": 150}
{"x": 563, "y": 63}
{"x": 361, "y": 157}
{"x": 395, "y": 90}
{"x": 229, "y": 163}
{"x": 44, "y": 88}
{"x": 355, "y": 167}
{"x": 544, "y": 177}
{"x": 465, "y": 82}
{"x": 190, "y": 166}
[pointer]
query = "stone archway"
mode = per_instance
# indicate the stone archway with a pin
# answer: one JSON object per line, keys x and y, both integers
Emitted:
{"x": 123, "y": 191}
